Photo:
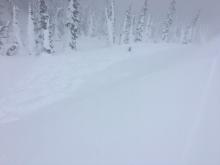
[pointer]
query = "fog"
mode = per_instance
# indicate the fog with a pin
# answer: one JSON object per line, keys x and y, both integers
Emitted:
{"x": 210, "y": 9}
{"x": 90, "y": 82}
{"x": 186, "y": 9}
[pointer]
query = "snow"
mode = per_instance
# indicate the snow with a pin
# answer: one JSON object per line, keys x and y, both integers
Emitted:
{"x": 158, "y": 104}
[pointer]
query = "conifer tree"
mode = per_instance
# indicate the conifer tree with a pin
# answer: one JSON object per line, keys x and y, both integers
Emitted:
{"x": 139, "y": 29}
{"x": 141, "y": 24}
{"x": 110, "y": 21}
{"x": 73, "y": 23}
{"x": 51, "y": 36}
{"x": 31, "y": 31}
{"x": 16, "y": 44}
{"x": 127, "y": 27}
{"x": 3, "y": 36}
{"x": 43, "y": 27}
{"x": 38, "y": 43}
{"x": 3, "y": 32}
{"x": 169, "y": 21}
{"x": 190, "y": 32}
{"x": 46, "y": 34}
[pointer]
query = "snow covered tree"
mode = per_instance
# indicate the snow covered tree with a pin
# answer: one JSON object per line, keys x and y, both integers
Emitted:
{"x": 51, "y": 36}
{"x": 46, "y": 34}
{"x": 110, "y": 21}
{"x": 127, "y": 27}
{"x": 139, "y": 29}
{"x": 5, "y": 25}
{"x": 73, "y": 23}
{"x": 3, "y": 36}
{"x": 38, "y": 43}
{"x": 190, "y": 32}
{"x": 31, "y": 31}
{"x": 169, "y": 21}
{"x": 141, "y": 24}
{"x": 16, "y": 27}
{"x": 43, "y": 27}
{"x": 16, "y": 44}
{"x": 43, "y": 15}
{"x": 3, "y": 31}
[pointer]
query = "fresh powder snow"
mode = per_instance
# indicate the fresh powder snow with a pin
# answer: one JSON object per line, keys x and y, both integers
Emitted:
{"x": 109, "y": 82}
{"x": 153, "y": 105}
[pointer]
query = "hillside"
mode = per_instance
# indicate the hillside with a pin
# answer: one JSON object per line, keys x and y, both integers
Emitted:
{"x": 157, "y": 105}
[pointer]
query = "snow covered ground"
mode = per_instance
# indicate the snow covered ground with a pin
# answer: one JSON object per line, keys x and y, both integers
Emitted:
{"x": 156, "y": 105}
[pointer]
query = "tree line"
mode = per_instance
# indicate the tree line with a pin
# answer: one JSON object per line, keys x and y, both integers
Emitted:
{"x": 48, "y": 33}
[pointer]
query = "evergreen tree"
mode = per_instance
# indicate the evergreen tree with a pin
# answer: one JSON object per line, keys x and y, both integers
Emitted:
{"x": 3, "y": 32}
{"x": 43, "y": 27}
{"x": 47, "y": 37}
{"x": 141, "y": 24}
{"x": 139, "y": 29}
{"x": 169, "y": 21}
{"x": 190, "y": 32}
{"x": 73, "y": 23}
{"x": 16, "y": 27}
{"x": 127, "y": 27}
{"x": 31, "y": 31}
{"x": 38, "y": 43}
{"x": 110, "y": 21}
{"x": 51, "y": 36}
{"x": 16, "y": 44}
{"x": 43, "y": 15}
{"x": 3, "y": 37}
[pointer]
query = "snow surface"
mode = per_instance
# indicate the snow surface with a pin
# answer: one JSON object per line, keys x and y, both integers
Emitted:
{"x": 156, "y": 105}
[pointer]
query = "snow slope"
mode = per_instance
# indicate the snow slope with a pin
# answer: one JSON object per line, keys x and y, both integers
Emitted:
{"x": 157, "y": 105}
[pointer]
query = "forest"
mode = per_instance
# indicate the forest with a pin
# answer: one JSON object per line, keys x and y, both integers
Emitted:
{"x": 54, "y": 28}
